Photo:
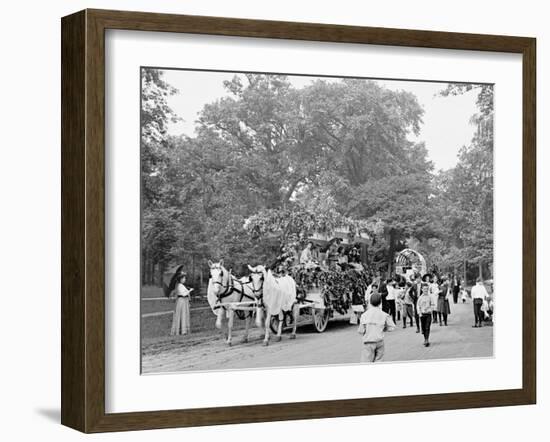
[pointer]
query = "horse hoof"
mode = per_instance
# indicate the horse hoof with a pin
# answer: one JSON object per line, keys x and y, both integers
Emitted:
{"x": 229, "y": 344}
{"x": 265, "y": 343}
{"x": 245, "y": 341}
{"x": 292, "y": 336}
{"x": 277, "y": 338}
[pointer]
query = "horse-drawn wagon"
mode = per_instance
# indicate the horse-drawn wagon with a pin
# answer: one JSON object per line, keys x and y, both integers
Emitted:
{"x": 291, "y": 295}
{"x": 323, "y": 294}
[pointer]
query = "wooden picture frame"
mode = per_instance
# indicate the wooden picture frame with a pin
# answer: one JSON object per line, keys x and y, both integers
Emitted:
{"x": 83, "y": 220}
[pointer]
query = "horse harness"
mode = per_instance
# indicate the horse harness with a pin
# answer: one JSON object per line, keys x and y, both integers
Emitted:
{"x": 230, "y": 288}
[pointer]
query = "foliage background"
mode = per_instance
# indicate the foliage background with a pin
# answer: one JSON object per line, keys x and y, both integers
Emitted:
{"x": 271, "y": 163}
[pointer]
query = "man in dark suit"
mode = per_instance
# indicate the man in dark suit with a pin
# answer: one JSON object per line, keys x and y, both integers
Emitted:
{"x": 383, "y": 291}
{"x": 415, "y": 292}
{"x": 455, "y": 288}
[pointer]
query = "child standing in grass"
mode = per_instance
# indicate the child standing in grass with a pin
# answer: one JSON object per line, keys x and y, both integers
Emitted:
{"x": 372, "y": 325}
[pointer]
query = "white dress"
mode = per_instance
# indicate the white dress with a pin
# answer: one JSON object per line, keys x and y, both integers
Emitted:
{"x": 434, "y": 294}
{"x": 181, "y": 321}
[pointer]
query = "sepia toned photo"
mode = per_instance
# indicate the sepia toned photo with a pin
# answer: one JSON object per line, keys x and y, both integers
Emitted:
{"x": 301, "y": 220}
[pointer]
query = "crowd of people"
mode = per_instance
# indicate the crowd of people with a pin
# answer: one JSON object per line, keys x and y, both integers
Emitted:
{"x": 419, "y": 301}
{"x": 336, "y": 256}
{"x": 422, "y": 300}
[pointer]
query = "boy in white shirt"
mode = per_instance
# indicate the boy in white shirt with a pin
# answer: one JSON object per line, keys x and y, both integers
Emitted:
{"x": 372, "y": 325}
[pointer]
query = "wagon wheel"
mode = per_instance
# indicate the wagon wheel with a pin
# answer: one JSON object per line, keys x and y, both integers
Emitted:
{"x": 320, "y": 319}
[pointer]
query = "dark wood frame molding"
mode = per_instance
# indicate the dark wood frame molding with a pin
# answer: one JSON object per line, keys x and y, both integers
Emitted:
{"x": 83, "y": 217}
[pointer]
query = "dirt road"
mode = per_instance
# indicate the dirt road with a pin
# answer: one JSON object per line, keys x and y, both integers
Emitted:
{"x": 339, "y": 344}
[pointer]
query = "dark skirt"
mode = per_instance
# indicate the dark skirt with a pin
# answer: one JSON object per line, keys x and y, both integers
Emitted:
{"x": 443, "y": 305}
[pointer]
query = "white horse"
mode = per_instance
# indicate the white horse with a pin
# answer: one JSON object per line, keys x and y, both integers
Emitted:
{"x": 225, "y": 289}
{"x": 278, "y": 296}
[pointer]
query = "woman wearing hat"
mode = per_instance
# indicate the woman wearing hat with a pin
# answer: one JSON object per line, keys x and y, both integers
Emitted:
{"x": 181, "y": 321}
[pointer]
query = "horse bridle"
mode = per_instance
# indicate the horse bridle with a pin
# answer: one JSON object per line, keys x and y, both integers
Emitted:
{"x": 230, "y": 287}
{"x": 258, "y": 292}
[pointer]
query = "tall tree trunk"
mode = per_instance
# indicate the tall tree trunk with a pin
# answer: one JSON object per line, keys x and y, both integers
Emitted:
{"x": 143, "y": 267}
{"x": 480, "y": 267}
{"x": 152, "y": 266}
{"x": 391, "y": 252}
{"x": 465, "y": 267}
{"x": 162, "y": 268}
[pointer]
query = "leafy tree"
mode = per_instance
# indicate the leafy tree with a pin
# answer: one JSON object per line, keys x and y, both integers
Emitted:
{"x": 155, "y": 115}
{"x": 261, "y": 123}
{"x": 401, "y": 205}
{"x": 468, "y": 188}
{"x": 158, "y": 221}
{"x": 364, "y": 126}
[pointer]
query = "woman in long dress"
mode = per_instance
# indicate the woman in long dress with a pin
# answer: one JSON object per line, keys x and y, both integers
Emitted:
{"x": 181, "y": 322}
{"x": 443, "y": 305}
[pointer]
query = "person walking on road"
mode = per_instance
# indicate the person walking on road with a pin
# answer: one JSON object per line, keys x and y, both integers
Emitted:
{"x": 425, "y": 306}
{"x": 443, "y": 307}
{"x": 390, "y": 299}
{"x": 383, "y": 290}
{"x": 372, "y": 325}
{"x": 479, "y": 294}
{"x": 408, "y": 305}
{"x": 371, "y": 290}
{"x": 415, "y": 292}
{"x": 433, "y": 291}
{"x": 456, "y": 288}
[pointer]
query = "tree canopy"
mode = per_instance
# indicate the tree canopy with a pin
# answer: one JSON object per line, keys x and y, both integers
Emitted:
{"x": 272, "y": 158}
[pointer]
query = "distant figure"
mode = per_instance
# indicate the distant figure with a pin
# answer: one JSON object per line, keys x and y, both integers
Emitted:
{"x": 415, "y": 292}
{"x": 463, "y": 295}
{"x": 372, "y": 289}
{"x": 181, "y": 321}
{"x": 354, "y": 255}
{"x": 455, "y": 286}
{"x": 488, "y": 308}
{"x": 479, "y": 294}
{"x": 399, "y": 292}
{"x": 443, "y": 307}
{"x": 434, "y": 293}
{"x": 425, "y": 306}
{"x": 390, "y": 299}
{"x": 343, "y": 258}
{"x": 372, "y": 325}
{"x": 408, "y": 302}
{"x": 383, "y": 290}
{"x": 306, "y": 257}
{"x": 333, "y": 255}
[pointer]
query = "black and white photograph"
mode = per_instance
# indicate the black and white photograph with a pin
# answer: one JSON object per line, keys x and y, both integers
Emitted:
{"x": 302, "y": 220}
{"x": 255, "y": 221}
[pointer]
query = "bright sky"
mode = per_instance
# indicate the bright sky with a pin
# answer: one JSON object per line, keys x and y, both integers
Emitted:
{"x": 445, "y": 130}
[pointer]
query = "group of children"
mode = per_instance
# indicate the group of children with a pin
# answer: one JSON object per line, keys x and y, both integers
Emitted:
{"x": 422, "y": 299}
